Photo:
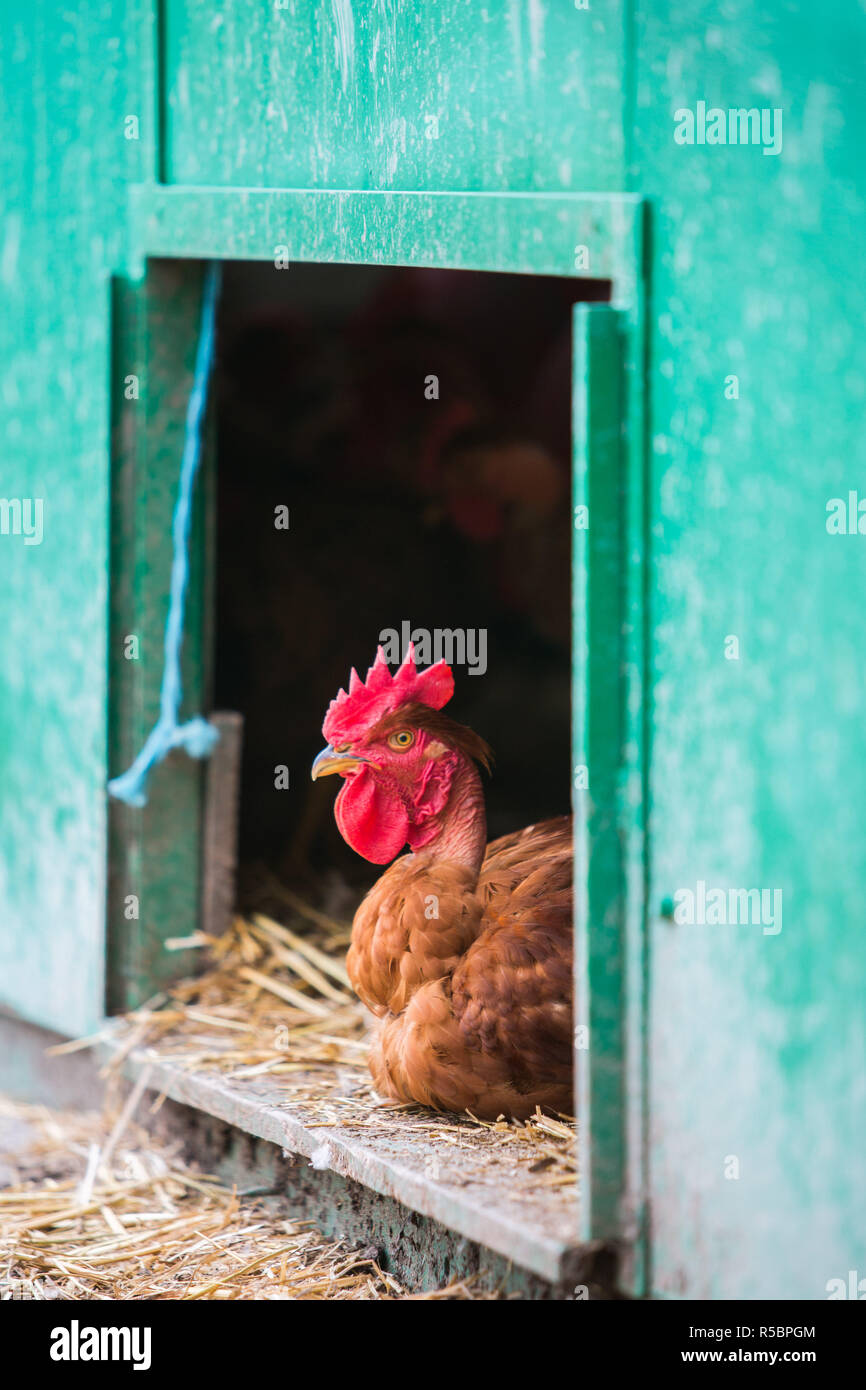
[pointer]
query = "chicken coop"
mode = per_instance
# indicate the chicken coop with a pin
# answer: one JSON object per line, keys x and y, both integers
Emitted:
{"x": 533, "y": 321}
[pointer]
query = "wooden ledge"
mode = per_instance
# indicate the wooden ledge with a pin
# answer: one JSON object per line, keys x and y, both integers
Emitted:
{"x": 474, "y": 1181}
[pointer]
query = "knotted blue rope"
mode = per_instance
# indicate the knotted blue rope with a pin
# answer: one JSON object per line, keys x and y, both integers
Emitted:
{"x": 197, "y": 736}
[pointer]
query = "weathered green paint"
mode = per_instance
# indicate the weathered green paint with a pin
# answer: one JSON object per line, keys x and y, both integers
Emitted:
{"x": 395, "y": 94}
{"x": 757, "y": 767}
{"x": 609, "y": 781}
{"x": 522, "y": 233}
{"x": 155, "y": 856}
{"x": 758, "y": 774}
{"x": 68, "y": 76}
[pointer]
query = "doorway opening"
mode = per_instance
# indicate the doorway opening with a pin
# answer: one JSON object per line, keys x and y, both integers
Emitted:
{"x": 393, "y": 457}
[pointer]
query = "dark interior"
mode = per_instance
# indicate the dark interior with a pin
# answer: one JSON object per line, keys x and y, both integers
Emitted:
{"x": 445, "y": 513}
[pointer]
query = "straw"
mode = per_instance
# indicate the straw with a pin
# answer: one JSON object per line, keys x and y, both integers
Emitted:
{"x": 154, "y": 1230}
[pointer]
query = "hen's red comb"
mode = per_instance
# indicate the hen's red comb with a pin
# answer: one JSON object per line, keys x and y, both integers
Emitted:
{"x": 349, "y": 715}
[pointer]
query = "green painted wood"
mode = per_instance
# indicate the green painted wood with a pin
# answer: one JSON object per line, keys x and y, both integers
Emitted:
{"x": 522, "y": 233}
{"x": 609, "y": 774}
{"x": 395, "y": 94}
{"x": 155, "y": 850}
{"x": 758, "y": 1042}
{"x": 753, "y": 266}
{"x": 68, "y": 77}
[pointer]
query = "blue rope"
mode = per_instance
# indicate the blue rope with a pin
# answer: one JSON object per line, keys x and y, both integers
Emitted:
{"x": 197, "y": 736}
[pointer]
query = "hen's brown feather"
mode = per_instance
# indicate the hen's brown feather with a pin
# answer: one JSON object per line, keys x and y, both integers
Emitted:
{"x": 473, "y": 984}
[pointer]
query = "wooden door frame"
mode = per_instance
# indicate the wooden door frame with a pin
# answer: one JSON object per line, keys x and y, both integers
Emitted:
{"x": 154, "y": 868}
{"x": 155, "y": 853}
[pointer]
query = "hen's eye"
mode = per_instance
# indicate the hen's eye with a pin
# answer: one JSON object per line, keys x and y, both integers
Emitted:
{"x": 402, "y": 740}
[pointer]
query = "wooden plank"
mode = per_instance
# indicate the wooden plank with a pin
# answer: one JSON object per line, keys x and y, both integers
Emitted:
{"x": 444, "y": 95}
{"x": 609, "y": 775}
{"x": 55, "y": 349}
{"x": 480, "y": 1192}
{"x": 422, "y": 1253}
{"x": 757, "y": 371}
{"x": 531, "y": 234}
{"x": 221, "y": 813}
{"x": 156, "y": 850}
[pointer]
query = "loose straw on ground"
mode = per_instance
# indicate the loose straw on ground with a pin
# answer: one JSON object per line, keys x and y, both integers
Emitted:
{"x": 149, "y": 1228}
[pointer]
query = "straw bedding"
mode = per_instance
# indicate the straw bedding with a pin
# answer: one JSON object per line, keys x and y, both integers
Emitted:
{"x": 275, "y": 1002}
{"x": 101, "y": 1211}
{"x": 96, "y": 1212}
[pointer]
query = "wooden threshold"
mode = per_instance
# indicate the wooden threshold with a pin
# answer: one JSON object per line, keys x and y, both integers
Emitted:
{"x": 453, "y": 1173}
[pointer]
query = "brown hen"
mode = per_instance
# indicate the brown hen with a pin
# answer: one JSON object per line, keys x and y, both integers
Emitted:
{"x": 462, "y": 950}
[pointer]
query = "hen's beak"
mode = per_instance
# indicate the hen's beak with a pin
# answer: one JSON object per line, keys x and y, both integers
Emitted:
{"x": 329, "y": 761}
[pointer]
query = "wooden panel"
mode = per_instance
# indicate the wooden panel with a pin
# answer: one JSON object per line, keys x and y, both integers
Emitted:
{"x": 530, "y": 235}
{"x": 65, "y": 90}
{"x": 758, "y": 1051}
{"x": 609, "y": 801}
{"x": 394, "y": 94}
{"x": 155, "y": 850}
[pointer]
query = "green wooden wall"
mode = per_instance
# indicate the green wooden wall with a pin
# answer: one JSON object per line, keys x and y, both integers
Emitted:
{"x": 106, "y": 99}
{"x": 754, "y": 271}
{"x": 458, "y": 95}
{"x": 69, "y": 75}
{"x": 758, "y": 764}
